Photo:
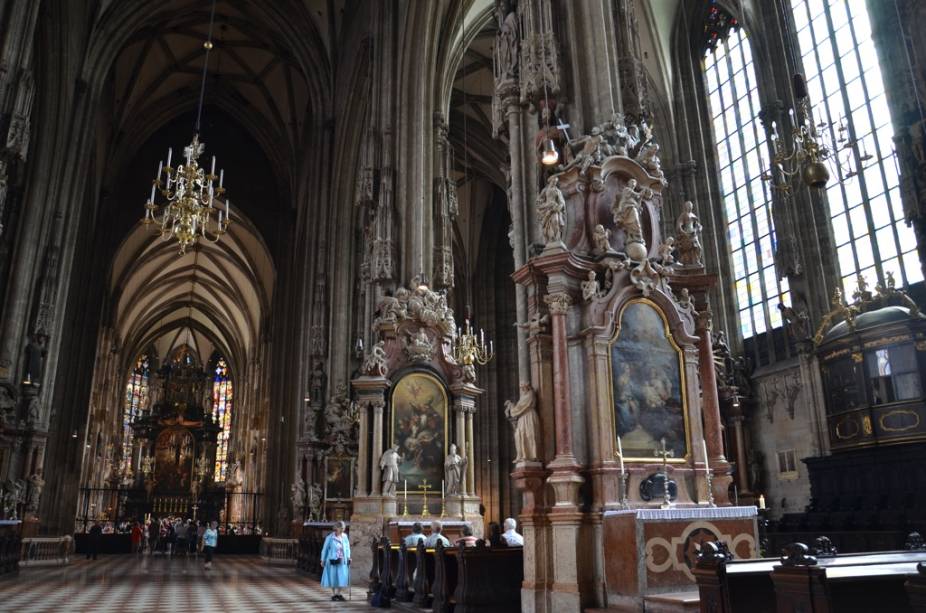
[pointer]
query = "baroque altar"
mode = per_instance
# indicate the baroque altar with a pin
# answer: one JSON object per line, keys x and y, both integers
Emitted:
{"x": 416, "y": 404}
{"x": 622, "y": 378}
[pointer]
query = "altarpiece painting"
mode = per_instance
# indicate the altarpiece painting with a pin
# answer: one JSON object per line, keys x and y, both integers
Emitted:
{"x": 174, "y": 459}
{"x": 647, "y": 386}
{"x": 419, "y": 428}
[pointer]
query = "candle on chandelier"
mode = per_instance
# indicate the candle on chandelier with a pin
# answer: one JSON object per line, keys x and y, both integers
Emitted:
{"x": 151, "y": 199}
{"x": 761, "y": 502}
{"x": 170, "y": 152}
{"x": 221, "y": 177}
{"x": 212, "y": 172}
{"x": 442, "y": 489}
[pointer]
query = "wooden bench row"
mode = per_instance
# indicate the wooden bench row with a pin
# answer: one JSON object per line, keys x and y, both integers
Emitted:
{"x": 458, "y": 579}
{"x": 814, "y": 579}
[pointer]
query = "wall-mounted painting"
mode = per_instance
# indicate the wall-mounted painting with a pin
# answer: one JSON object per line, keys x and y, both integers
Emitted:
{"x": 419, "y": 428}
{"x": 647, "y": 385}
{"x": 339, "y": 478}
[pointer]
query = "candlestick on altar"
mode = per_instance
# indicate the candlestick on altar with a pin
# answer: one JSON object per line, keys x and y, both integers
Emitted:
{"x": 443, "y": 501}
{"x": 665, "y": 453}
{"x": 424, "y": 503}
{"x": 405, "y": 496}
{"x": 620, "y": 454}
{"x": 709, "y": 476}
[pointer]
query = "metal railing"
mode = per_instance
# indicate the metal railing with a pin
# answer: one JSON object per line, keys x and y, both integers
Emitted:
{"x": 46, "y": 551}
{"x": 279, "y": 551}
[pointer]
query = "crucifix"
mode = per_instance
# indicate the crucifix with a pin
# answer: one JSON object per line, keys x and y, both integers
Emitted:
{"x": 665, "y": 454}
{"x": 195, "y": 506}
{"x": 425, "y": 486}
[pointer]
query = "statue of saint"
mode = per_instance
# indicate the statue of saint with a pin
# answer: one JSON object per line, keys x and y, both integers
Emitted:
{"x": 315, "y": 501}
{"x": 317, "y": 384}
{"x": 35, "y": 359}
{"x": 626, "y": 212}
{"x": 454, "y": 465}
{"x": 552, "y": 208}
{"x": 688, "y": 228}
{"x": 601, "y": 239}
{"x": 297, "y": 496}
{"x": 36, "y": 485}
{"x": 506, "y": 42}
{"x": 389, "y": 464}
{"x": 526, "y": 424}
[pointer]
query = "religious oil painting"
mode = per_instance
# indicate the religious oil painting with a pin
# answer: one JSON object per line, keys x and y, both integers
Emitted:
{"x": 339, "y": 478}
{"x": 419, "y": 428}
{"x": 174, "y": 459}
{"x": 647, "y": 385}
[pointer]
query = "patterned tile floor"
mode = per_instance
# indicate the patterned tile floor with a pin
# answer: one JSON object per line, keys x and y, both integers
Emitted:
{"x": 179, "y": 585}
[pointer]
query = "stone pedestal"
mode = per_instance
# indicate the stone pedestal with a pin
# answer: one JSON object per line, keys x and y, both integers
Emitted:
{"x": 658, "y": 548}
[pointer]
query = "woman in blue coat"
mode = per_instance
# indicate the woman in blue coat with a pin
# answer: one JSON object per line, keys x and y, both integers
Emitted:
{"x": 335, "y": 560}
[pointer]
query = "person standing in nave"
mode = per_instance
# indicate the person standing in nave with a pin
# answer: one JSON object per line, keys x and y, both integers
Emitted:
{"x": 511, "y": 536}
{"x": 94, "y": 540}
{"x": 136, "y": 537}
{"x": 335, "y": 561}
{"x": 495, "y": 535}
{"x": 435, "y": 536}
{"x": 210, "y": 540}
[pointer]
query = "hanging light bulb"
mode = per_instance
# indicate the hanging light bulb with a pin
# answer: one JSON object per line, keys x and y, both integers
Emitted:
{"x": 550, "y": 154}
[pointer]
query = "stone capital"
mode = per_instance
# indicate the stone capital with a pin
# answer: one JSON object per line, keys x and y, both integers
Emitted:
{"x": 558, "y": 302}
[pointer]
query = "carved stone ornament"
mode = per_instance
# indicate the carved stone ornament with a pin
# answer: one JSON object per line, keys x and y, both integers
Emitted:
{"x": 601, "y": 239}
{"x": 645, "y": 277}
{"x": 536, "y": 325}
{"x": 418, "y": 346}
{"x": 341, "y": 417}
{"x": 558, "y": 302}
{"x": 714, "y": 552}
{"x": 422, "y": 306}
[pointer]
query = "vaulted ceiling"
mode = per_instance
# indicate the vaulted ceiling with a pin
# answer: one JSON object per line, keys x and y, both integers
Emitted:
{"x": 214, "y": 297}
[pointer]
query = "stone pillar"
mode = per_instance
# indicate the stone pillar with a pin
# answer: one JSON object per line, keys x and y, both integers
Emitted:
{"x": 371, "y": 393}
{"x": 710, "y": 403}
{"x": 460, "y": 413}
{"x": 559, "y": 306}
{"x": 377, "y": 446}
{"x": 470, "y": 468}
{"x": 363, "y": 455}
{"x": 741, "y": 464}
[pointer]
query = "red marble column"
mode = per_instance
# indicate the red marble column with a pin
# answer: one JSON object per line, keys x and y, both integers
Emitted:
{"x": 710, "y": 402}
{"x": 562, "y": 408}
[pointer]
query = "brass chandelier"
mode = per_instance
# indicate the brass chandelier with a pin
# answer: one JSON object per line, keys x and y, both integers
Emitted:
{"x": 193, "y": 205}
{"x": 812, "y": 147}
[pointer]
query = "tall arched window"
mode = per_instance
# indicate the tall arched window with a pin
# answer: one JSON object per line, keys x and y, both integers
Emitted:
{"x": 743, "y": 155}
{"x": 845, "y": 88}
{"x": 221, "y": 415}
{"x": 136, "y": 403}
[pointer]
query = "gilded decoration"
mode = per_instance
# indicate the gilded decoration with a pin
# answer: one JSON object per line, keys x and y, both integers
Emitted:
{"x": 648, "y": 384}
{"x": 419, "y": 428}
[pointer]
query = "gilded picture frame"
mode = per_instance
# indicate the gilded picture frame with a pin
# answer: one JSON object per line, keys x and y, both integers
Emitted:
{"x": 648, "y": 388}
{"x": 420, "y": 427}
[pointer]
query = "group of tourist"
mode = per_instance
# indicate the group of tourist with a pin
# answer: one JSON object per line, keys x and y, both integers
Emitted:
{"x": 335, "y": 557}
{"x": 169, "y": 536}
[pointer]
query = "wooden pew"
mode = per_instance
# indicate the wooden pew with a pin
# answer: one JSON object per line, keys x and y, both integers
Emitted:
{"x": 489, "y": 579}
{"x": 375, "y": 584}
{"x": 872, "y": 582}
{"x": 446, "y": 575}
{"x": 424, "y": 576}
{"x": 403, "y": 579}
{"x": 757, "y": 585}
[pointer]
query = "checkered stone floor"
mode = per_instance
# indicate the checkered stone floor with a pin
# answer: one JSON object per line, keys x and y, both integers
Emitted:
{"x": 179, "y": 585}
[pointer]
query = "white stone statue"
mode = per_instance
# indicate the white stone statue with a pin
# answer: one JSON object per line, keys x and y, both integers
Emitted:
{"x": 375, "y": 362}
{"x": 552, "y": 208}
{"x": 36, "y": 485}
{"x": 591, "y": 287}
{"x": 419, "y": 346}
{"x": 297, "y": 496}
{"x": 526, "y": 424}
{"x": 601, "y": 239}
{"x": 454, "y": 465}
{"x": 649, "y": 159}
{"x": 627, "y": 216}
{"x": 688, "y": 228}
{"x": 389, "y": 464}
{"x": 315, "y": 501}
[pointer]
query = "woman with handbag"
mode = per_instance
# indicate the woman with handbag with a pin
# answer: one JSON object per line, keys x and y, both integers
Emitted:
{"x": 335, "y": 560}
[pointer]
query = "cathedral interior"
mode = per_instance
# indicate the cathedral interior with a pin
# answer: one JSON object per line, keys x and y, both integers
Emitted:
{"x": 645, "y": 276}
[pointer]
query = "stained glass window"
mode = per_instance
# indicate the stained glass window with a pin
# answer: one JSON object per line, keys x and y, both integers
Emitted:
{"x": 845, "y": 87}
{"x": 743, "y": 155}
{"x": 136, "y": 404}
{"x": 221, "y": 415}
